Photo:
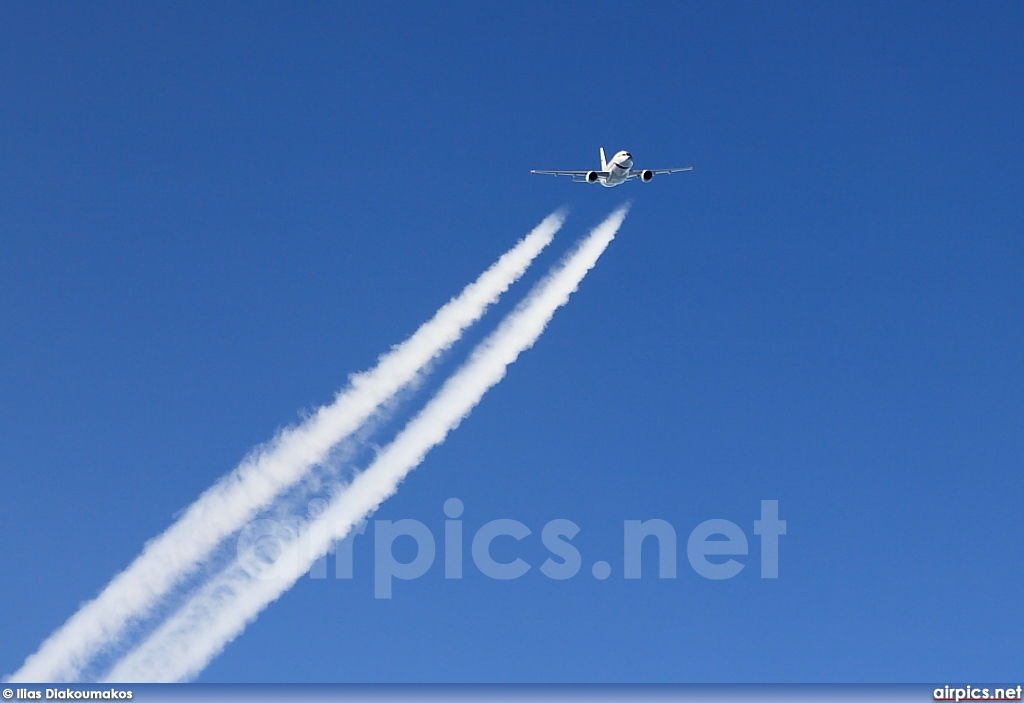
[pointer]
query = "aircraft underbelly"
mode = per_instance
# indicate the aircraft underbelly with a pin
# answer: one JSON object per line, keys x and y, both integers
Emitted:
{"x": 614, "y": 179}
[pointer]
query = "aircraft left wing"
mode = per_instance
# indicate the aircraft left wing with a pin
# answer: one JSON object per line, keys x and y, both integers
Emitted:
{"x": 636, "y": 173}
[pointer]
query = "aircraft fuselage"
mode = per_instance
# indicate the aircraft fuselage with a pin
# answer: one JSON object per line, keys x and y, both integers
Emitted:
{"x": 617, "y": 169}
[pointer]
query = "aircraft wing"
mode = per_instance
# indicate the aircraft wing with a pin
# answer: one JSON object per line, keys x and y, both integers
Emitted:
{"x": 576, "y": 175}
{"x": 636, "y": 173}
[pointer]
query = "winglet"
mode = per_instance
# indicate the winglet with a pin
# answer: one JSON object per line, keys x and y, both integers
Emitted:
{"x": 604, "y": 164}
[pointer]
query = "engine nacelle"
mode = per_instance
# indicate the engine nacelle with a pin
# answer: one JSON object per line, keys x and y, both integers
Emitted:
{"x": 646, "y": 176}
{"x": 592, "y": 176}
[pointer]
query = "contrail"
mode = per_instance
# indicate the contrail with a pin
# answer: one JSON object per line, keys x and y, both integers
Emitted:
{"x": 184, "y": 644}
{"x": 236, "y": 498}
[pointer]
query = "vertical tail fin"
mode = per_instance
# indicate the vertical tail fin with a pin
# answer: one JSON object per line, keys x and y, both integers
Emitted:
{"x": 604, "y": 164}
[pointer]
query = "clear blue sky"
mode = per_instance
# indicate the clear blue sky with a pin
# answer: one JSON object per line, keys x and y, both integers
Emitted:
{"x": 210, "y": 216}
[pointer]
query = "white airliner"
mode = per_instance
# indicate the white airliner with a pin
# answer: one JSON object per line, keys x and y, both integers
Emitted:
{"x": 612, "y": 173}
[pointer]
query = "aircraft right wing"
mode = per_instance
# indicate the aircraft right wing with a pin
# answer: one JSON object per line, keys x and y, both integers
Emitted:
{"x": 578, "y": 176}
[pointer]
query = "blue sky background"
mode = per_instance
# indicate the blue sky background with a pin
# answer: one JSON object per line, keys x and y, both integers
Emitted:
{"x": 210, "y": 216}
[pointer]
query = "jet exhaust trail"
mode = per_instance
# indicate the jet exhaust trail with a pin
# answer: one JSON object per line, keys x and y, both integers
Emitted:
{"x": 187, "y": 641}
{"x": 236, "y": 498}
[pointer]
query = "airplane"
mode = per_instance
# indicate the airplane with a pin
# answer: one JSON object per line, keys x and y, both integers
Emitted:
{"x": 614, "y": 172}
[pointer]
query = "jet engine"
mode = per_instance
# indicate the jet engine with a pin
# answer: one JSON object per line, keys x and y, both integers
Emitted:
{"x": 591, "y": 176}
{"x": 646, "y": 176}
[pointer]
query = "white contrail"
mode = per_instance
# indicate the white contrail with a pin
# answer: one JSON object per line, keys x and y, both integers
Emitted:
{"x": 234, "y": 500}
{"x": 187, "y": 641}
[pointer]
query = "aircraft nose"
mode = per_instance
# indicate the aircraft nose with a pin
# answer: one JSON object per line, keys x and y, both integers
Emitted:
{"x": 628, "y": 155}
